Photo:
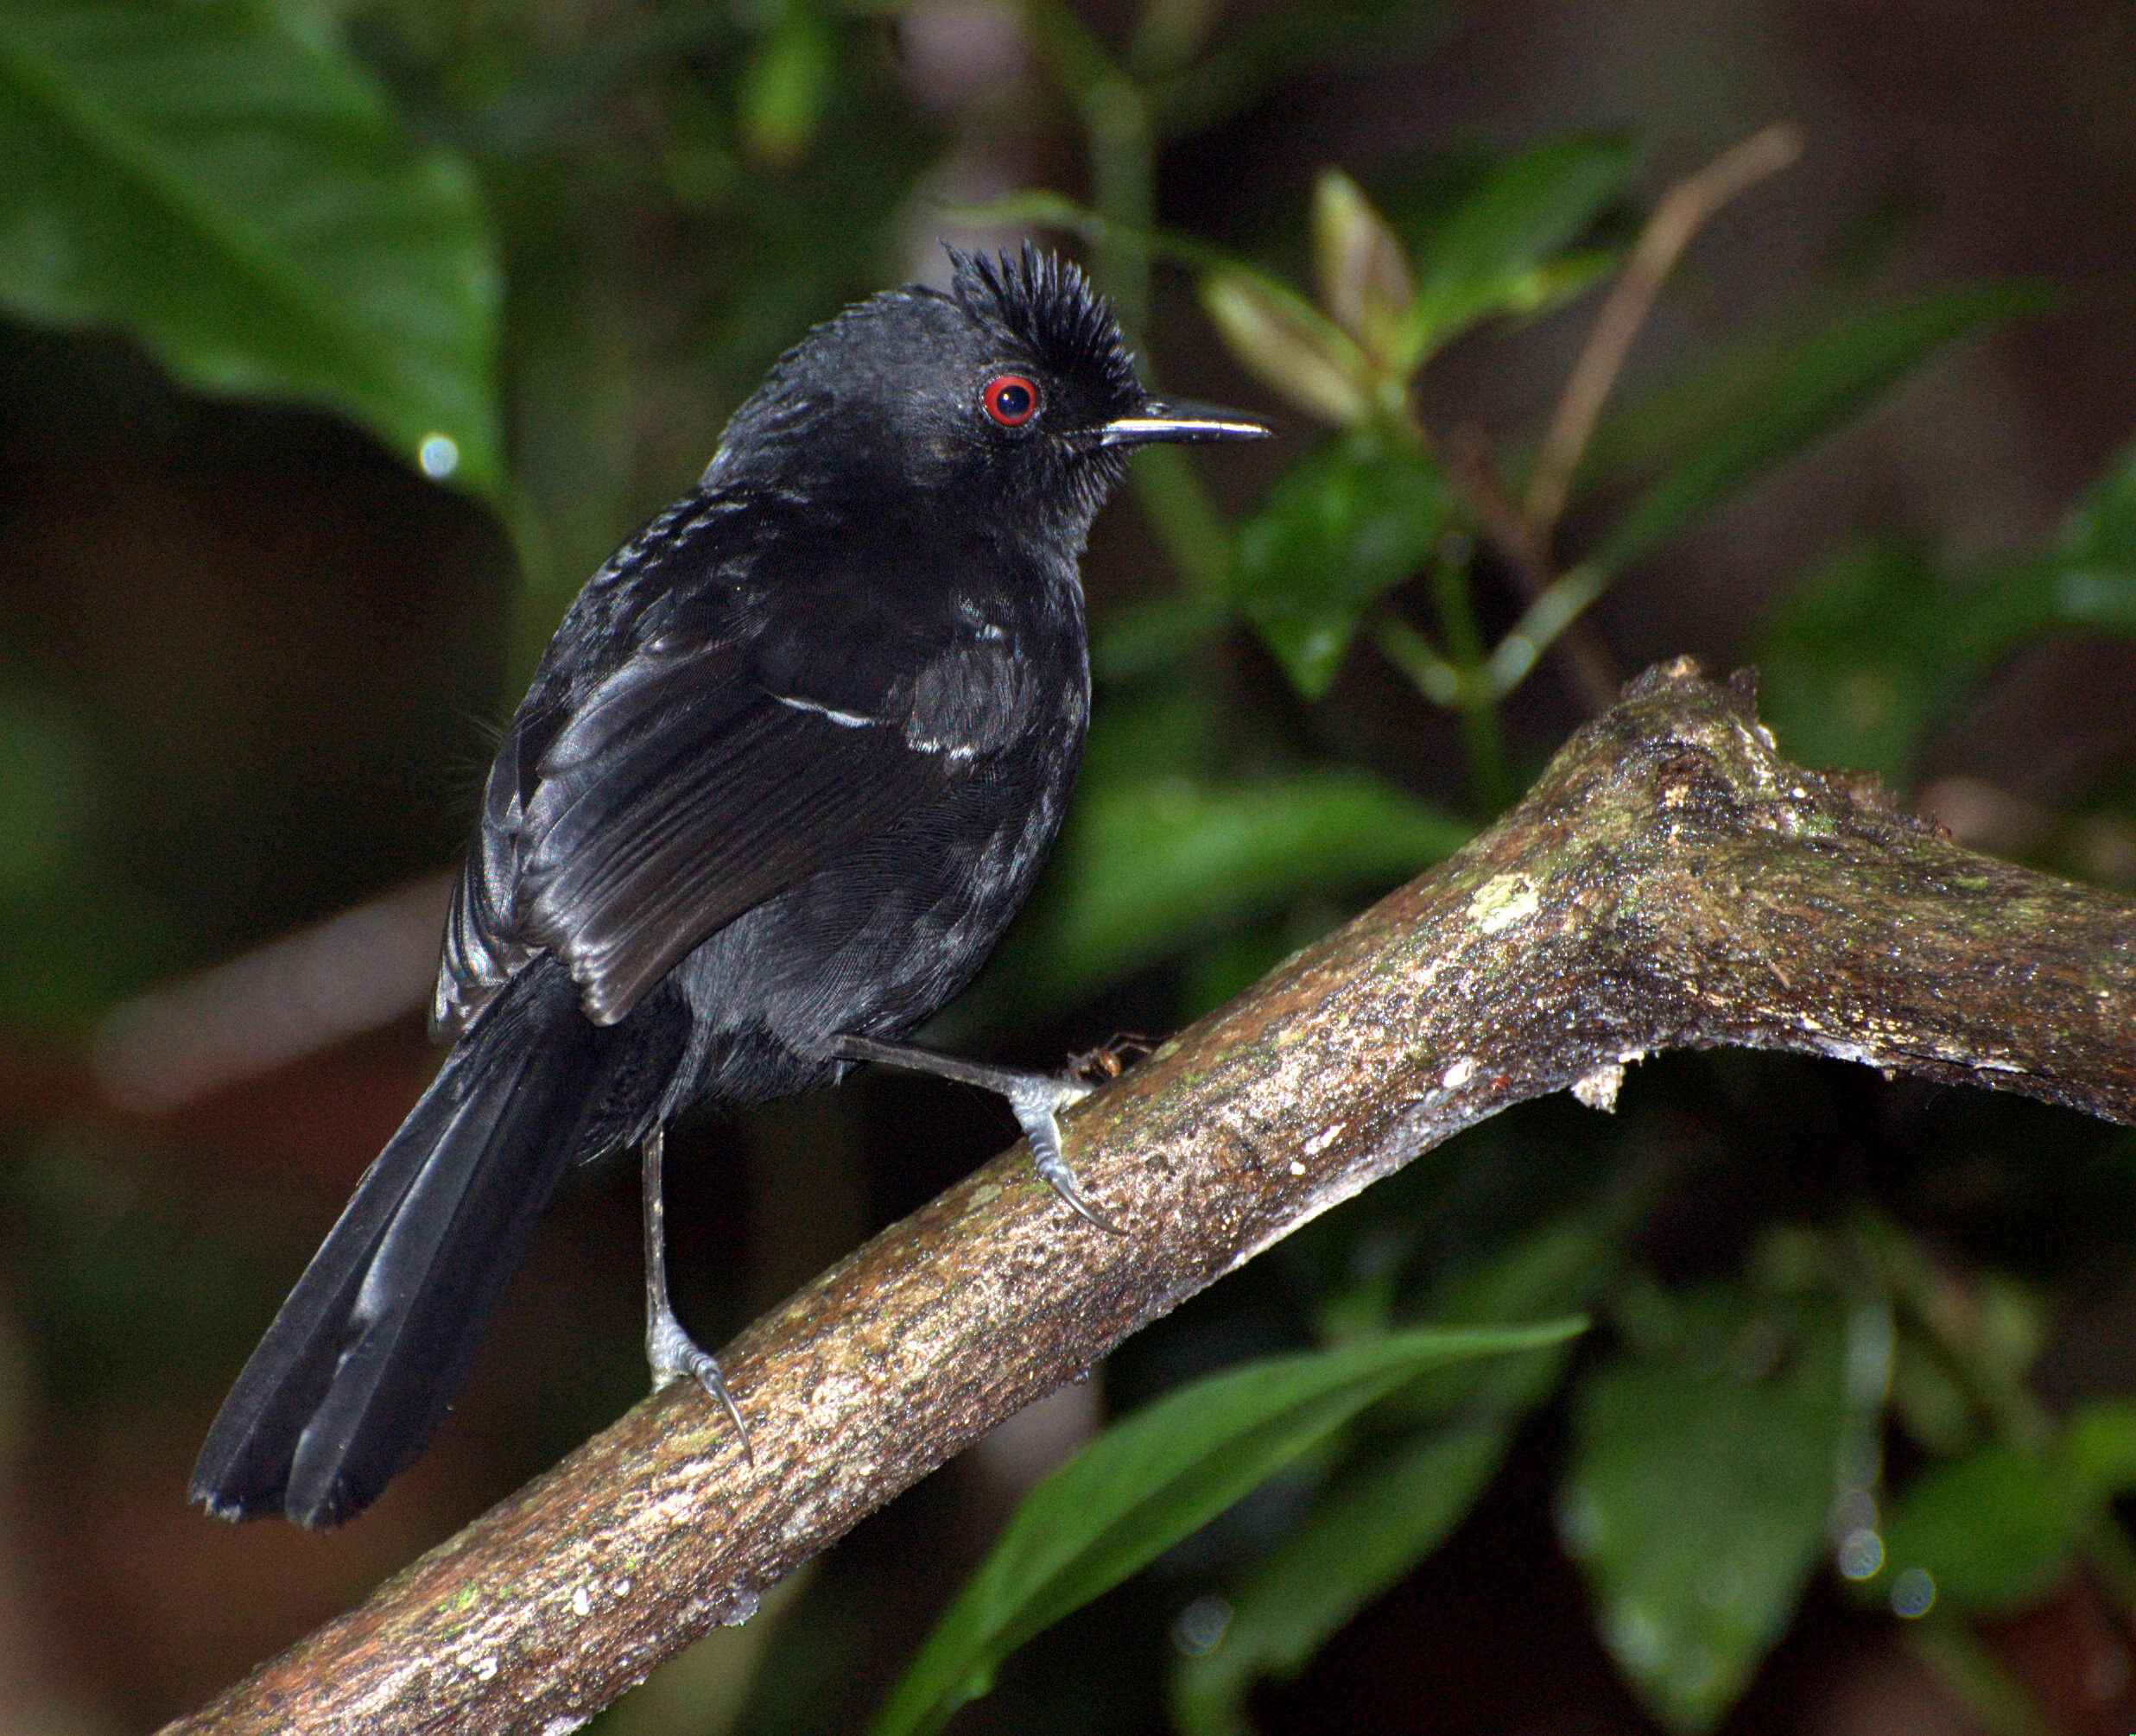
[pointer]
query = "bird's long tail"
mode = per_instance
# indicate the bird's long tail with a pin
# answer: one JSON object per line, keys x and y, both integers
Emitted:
{"x": 359, "y": 1367}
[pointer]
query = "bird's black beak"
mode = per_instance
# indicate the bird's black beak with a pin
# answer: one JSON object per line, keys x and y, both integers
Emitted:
{"x": 1175, "y": 420}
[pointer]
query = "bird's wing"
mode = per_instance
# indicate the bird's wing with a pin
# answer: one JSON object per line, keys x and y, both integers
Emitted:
{"x": 704, "y": 774}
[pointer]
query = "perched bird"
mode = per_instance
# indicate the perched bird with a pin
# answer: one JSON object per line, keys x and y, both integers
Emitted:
{"x": 785, "y": 773}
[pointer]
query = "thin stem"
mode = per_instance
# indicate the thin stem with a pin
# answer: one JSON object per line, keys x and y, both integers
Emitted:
{"x": 1072, "y": 51}
{"x": 1410, "y": 651}
{"x": 1588, "y": 664}
{"x": 1546, "y": 617}
{"x": 1185, "y": 519}
{"x": 1684, "y": 210}
{"x": 1123, "y": 188}
{"x": 1490, "y": 781}
{"x": 1123, "y": 146}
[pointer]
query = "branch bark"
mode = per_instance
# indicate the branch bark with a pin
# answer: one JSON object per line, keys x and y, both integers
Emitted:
{"x": 1670, "y": 882}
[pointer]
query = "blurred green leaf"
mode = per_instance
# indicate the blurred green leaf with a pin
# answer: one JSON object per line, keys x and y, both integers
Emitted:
{"x": 1351, "y": 520}
{"x": 1290, "y": 345}
{"x": 1147, "y": 1482}
{"x": 72, "y": 936}
{"x": 1700, "y": 1478}
{"x": 1353, "y": 1546}
{"x": 1796, "y": 398}
{"x": 2103, "y": 527}
{"x": 1490, "y": 253}
{"x": 784, "y": 85}
{"x": 1377, "y": 1523}
{"x": 1149, "y": 636}
{"x": 1863, "y": 654}
{"x": 1275, "y": 45}
{"x": 1147, "y": 867}
{"x": 2093, "y": 568}
{"x": 1843, "y": 677}
{"x": 1558, "y": 1269}
{"x": 2098, "y": 1447}
{"x": 1991, "y": 1530}
{"x": 1363, "y": 274}
{"x": 48, "y": 796}
{"x": 1927, "y": 1400}
{"x": 224, "y": 183}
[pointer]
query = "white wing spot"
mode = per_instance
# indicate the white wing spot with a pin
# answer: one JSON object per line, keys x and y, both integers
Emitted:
{"x": 843, "y": 719}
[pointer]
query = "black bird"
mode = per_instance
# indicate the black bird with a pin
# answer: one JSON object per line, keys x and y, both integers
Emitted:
{"x": 787, "y": 771}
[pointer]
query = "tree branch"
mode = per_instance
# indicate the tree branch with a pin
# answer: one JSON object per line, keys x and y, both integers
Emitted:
{"x": 1670, "y": 882}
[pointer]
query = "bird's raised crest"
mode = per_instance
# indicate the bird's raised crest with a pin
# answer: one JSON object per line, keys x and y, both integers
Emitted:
{"x": 1043, "y": 304}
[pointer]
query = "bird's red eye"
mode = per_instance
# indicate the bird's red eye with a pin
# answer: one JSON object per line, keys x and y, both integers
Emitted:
{"x": 1011, "y": 400}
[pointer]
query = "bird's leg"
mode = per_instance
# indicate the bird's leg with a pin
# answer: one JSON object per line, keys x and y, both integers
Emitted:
{"x": 1035, "y": 1098}
{"x": 668, "y": 1348}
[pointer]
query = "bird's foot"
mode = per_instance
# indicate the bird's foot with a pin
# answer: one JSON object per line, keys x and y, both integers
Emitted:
{"x": 1036, "y": 1098}
{"x": 674, "y": 1355}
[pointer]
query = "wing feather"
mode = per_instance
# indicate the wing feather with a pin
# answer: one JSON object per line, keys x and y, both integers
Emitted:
{"x": 721, "y": 752}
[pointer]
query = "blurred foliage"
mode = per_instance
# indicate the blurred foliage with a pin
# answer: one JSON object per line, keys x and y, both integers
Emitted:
{"x": 541, "y": 252}
{"x": 1150, "y": 1480}
{"x": 226, "y": 184}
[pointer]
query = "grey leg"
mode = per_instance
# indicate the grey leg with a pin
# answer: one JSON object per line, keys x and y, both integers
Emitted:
{"x": 1034, "y": 1097}
{"x": 668, "y": 1349}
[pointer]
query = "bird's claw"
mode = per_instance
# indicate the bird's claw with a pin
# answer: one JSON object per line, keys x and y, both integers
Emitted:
{"x": 674, "y": 1355}
{"x": 1036, "y": 1099}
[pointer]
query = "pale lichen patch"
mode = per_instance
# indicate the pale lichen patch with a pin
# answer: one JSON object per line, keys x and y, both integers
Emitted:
{"x": 1500, "y": 903}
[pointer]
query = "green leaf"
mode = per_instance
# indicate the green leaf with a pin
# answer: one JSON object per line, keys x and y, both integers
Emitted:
{"x": 1148, "y": 866}
{"x": 1356, "y": 1544}
{"x": 1701, "y": 1480}
{"x": 1378, "y": 1523}
{"x": 784, "y": 85}
{"x": 1290, "y": 345}
{"x": 48, "y": 796}
{"x": 2098, "y": 1447}
{"x": 222, "y": 182}
{"x": 1152, "y": 636}
{"x": 1363, "y": 274}
{"x": 1991, "y": 1530}
{"x": 1865, "y": 654}
{"x": 2102, "y": 529}
{"x": 1804, "y": 393}
{"x": 1147, "y": 1482}
{"x": 1843, "y": 676}
{"x": 1350, "y": 521}
{"x": 1490, "y": 253}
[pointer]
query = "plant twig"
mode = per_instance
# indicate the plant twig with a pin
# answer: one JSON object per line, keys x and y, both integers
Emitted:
{"x": 1684, "y": 210}
{"x": 1466, "y": 454}
{"x": 1669, "y": 882}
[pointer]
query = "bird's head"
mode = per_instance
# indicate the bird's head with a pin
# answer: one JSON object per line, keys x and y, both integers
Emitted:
{"x": 1013, "y": 395}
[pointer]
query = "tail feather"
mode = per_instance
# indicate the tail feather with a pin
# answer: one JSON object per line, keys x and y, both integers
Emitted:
{"x": 360, "y": 1367}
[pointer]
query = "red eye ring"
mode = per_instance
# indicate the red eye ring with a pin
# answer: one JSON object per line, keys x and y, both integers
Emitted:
{"x": 1011, "y": 400}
